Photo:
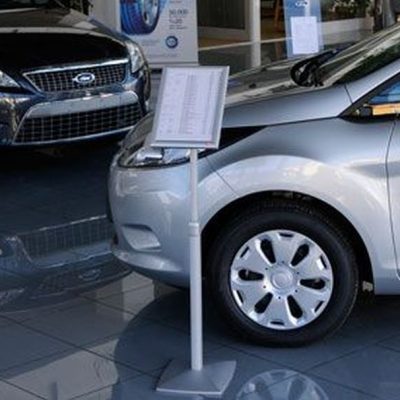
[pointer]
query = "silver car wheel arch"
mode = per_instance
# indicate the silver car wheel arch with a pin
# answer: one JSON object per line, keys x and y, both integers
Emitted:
{"x": 272, "y": 291}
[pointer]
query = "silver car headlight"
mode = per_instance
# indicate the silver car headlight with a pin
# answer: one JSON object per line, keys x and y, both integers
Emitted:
{"x": 136, "y": 153}
{"x": 153, "y": 157}
{"x": 7, "y": 81}
{"x": 138, "y": 60}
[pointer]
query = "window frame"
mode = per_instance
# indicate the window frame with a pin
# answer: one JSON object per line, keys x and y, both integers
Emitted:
{"x": 351, "y": 112}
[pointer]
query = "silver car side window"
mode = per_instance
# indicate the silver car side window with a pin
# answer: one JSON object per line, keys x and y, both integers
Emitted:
{"x": 388, "y": 96}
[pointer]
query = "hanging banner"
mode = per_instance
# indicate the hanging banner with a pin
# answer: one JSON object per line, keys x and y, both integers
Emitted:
{"x": 166, "y": 29}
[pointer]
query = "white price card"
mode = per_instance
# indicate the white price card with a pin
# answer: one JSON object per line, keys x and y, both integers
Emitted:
{"x": 305, "y": 36}
{"x": 190, "y": 107}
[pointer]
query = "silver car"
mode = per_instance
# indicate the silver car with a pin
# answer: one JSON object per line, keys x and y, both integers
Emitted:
{"x": 299, "y": 206}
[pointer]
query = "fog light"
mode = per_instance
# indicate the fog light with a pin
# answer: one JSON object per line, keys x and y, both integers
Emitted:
{"x": 141, "y": 238}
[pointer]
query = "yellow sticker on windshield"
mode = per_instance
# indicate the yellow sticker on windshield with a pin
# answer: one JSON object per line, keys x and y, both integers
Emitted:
{"x": 385, "y": 109}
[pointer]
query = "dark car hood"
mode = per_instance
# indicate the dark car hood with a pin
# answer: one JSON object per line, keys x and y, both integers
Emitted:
{"x": 43, "y": 37}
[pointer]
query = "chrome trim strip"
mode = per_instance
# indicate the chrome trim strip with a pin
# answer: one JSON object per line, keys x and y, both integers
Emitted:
{"x": 75, "y": 139}
{"x": 81, "y": 104}
{"x": 90, "y": 103}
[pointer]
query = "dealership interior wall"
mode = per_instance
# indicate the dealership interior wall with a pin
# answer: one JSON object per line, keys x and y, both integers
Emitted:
{"x": 242, "y": 33}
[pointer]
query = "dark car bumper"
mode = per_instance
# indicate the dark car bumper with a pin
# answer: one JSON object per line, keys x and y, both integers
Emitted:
{"x": 34, "y": 118}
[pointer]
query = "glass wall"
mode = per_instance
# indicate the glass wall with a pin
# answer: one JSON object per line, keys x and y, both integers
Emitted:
{"x": 230, "y": 21}
{"x": 333, "y": 10}
{"x": 222, "y": 13}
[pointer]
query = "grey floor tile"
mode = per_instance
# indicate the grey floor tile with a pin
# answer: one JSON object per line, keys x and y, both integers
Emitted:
{"x": 83, "y": 324}
{"x": 248, "y": 369}
{"x": 130, "y": 282}
{"x": 5, "y": 322}
{"x": 377, "y": 320}
{"x": 68, "y": 375}
{"x": 374, "y": 370}
{"x": 171, "y": 309}
{"x": 300, "y": 387}
{"x": 135, "y": 301}
{"x": 9, "y": 392}
{"x": 393, "y": 343}
{"x": 302, "y": 358}
{"x": 40, "y": 313}
{"x": 258, "y": 387}
{"x": 147, "y": 346}
{"x": 20, "y": 345}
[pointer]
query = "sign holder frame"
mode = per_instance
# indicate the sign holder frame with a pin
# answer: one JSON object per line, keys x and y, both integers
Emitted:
{"x": 182, "y": 378}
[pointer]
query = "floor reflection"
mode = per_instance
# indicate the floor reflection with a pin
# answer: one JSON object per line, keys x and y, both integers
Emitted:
{"x": 56, "y": 264}
{"x": 293, "y": 386}
{"x": 113, "y": 342}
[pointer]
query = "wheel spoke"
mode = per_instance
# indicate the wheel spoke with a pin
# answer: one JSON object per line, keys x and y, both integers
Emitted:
{"x": 312, "y": 267}
{"x": 308, "y": 299}
{"x": 251, "y": 292}
{"x": 252, "y": 259}
{"x": 278, "y": 311}
{"x": 285, "y": 247}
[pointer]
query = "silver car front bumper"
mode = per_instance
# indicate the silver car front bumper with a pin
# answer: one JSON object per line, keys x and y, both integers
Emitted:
{"x": 150, "y": 212}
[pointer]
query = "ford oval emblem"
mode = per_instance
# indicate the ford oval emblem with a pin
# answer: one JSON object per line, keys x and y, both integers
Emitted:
{"x": 85, "y": 78}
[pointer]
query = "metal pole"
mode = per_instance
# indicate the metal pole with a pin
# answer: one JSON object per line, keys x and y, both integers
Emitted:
{"x": 200, "y": 380}
{"x": 254, "y": 20}
{"x": 196, "y": 298}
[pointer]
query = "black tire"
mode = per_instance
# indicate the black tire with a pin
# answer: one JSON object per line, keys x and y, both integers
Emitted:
{"x": 297, "y": 217}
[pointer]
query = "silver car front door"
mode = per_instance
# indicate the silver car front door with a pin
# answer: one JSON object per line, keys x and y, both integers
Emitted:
{"x": 386, "y": 105}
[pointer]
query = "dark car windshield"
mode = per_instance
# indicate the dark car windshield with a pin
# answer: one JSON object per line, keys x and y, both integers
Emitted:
{"x": 12, "y": 4}
{"x": 363, "y": 58}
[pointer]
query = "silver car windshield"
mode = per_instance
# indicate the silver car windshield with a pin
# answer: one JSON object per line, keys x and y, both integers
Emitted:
{"x": 363, "y": 58}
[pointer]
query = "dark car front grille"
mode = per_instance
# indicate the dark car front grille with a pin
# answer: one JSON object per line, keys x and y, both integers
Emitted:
{"x": 78, "y": 125}
{"x": 64, "y": 79}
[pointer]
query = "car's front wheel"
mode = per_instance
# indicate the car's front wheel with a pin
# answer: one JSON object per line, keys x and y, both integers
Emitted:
{"x": 283, "y": 274}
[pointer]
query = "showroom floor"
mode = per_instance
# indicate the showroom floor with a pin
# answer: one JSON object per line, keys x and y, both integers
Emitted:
{"x": 61, "y": 338}
{"x": 112, "y": 344}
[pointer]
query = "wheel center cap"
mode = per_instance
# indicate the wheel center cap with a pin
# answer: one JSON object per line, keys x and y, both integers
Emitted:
{"x": 282, "y": 279}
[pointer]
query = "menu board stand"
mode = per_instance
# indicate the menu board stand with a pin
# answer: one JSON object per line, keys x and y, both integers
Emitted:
{"x": 186, "y": 121}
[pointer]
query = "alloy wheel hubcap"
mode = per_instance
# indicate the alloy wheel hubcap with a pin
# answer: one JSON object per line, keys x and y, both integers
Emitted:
{"x": 281, "y": 279}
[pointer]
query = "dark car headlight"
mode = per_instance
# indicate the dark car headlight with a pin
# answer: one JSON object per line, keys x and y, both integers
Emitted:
{"x": 136, "y": 55}
{"x": 7, "y": 82}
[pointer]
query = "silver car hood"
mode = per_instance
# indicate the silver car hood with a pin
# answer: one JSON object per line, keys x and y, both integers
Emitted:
{"x": 268, "y": 96}
{"x": 262, "y": 81}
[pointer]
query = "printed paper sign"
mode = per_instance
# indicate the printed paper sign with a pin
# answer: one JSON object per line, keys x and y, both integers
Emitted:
{"x": 303, "y": 27}
{"x": 190, "y": 107}
{"x": 304, "y": 35}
